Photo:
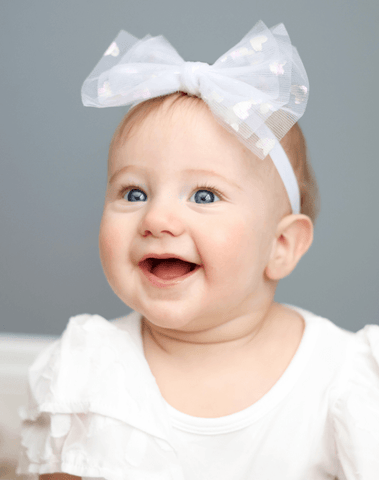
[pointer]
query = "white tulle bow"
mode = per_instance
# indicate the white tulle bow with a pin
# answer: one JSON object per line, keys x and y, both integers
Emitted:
{"x": 257, "y": 90}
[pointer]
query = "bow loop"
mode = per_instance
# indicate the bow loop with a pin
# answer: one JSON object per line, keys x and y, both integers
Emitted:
{"x": 154, "y": 51}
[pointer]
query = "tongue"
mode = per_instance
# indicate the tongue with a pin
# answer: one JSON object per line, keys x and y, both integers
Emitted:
{"x": 172, "y": 268}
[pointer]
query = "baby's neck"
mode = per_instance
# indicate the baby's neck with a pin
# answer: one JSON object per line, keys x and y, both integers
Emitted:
{"x": 238, "y": 374}
{"x": 232, "y": 339}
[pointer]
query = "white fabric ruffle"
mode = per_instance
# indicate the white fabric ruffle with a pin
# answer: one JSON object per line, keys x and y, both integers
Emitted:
{"x": 95, "y": 409}
{"x": 356, "y": 409}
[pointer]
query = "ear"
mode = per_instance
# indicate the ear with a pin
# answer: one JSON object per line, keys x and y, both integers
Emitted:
{"x": 293, "y": 237}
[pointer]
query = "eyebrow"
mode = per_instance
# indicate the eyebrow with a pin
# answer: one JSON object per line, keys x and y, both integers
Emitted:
{"x": 188, "y": 170}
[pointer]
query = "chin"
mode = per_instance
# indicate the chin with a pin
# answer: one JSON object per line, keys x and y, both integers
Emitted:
{"x": 168, "y": 319}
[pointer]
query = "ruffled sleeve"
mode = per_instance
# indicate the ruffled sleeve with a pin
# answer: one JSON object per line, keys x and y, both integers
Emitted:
{"x": 356, "y": 408}
{"x": 94, "y": 409}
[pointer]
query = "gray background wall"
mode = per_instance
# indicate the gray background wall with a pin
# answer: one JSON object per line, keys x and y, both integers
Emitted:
{"x": 53, "y": 150}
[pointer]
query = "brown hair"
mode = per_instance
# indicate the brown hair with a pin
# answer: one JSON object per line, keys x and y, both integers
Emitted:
{"x": 293, "y": 143}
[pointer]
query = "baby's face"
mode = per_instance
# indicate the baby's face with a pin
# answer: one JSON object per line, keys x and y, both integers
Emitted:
{"x": 196, "y": 191}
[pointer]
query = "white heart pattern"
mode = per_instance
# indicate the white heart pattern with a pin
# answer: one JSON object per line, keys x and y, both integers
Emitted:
{"x": 112, "y": 50}
{"x": 241, "y": 109}
{"x": 257, "y": 42}
{"x": 266, "y": 144}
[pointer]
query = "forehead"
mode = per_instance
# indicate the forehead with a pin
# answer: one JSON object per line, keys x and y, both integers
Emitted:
{"x": 181, "y": 133}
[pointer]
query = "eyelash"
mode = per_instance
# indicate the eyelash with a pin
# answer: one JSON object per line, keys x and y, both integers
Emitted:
{"x": 206, "y": 186}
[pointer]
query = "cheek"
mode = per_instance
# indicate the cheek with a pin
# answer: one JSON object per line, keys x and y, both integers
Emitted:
{"x": 240, "y": 241}
{"x": 227, "y": 243}
{"x": 111, "y": 241}
{"x": 241, "y": 244}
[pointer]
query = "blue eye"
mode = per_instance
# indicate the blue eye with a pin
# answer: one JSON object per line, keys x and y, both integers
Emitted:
{"x": 204, "y": 193}
{"x": 133, "y": 194}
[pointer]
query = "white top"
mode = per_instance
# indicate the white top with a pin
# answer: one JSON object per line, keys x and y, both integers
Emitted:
{"x": 95, "y": 411}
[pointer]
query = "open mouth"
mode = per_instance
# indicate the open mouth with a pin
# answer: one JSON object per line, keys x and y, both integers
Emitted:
{"x": 168, "y": 268}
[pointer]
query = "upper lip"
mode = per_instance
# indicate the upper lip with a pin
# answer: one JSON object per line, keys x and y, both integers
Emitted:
{"x": 163, "y": 256}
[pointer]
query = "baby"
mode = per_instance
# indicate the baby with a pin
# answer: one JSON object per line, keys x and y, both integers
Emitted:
{"x": 205, "y": 211}
{"x": 179, "y": 185}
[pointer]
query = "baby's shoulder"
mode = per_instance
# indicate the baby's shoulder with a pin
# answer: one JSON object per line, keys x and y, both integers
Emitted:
{"x": 92, "y": 396}
{"x": 352, "y": 346}
{"x": 357, "y": 356}
{"x": 91, "y": 355}
{"x": 340, "y": 358}
{"x": 362, "y": 353}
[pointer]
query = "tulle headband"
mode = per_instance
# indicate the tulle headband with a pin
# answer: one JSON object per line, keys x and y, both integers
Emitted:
{"x": 257, "y": 90}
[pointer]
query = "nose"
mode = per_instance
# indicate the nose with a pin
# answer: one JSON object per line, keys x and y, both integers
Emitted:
{"x": 160, "y": 218}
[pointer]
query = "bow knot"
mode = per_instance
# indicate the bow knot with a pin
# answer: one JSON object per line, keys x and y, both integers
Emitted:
{"x": 190, "y": 75}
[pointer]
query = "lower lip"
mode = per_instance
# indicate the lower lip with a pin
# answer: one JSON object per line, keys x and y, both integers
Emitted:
{"x": 160, "y": 283}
